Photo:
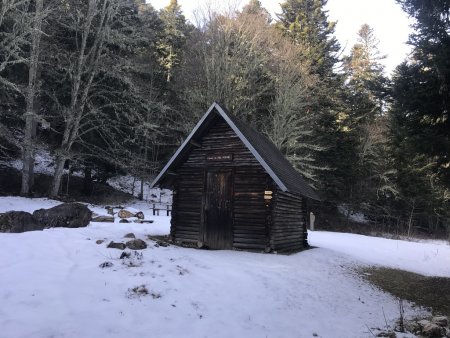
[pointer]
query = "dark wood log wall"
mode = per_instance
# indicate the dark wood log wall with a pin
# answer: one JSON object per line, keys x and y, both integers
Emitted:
{"x": 249, "y": 209}
{"x": 258, "y": 224}
{"x": 289, "y": 223}
{"x": 187, "y": 204}
{"x": 250, "y": 181}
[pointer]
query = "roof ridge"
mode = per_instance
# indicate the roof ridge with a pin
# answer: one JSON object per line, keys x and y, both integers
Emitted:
{"x": 268, "y": 155}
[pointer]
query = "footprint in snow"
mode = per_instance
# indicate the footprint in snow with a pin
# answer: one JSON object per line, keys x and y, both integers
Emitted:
{"x": 182, "y": 271}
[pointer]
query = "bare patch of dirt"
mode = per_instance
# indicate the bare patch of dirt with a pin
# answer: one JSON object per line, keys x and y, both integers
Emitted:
{"x": 430, "y": 292}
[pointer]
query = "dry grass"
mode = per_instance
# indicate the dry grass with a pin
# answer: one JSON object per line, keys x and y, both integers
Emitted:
{"x": 430, "y": 292}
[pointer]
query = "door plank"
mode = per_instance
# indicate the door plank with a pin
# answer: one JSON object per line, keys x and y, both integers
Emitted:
{"x": 218, "y": 210}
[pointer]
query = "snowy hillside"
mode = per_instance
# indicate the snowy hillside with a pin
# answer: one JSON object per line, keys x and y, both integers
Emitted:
{"x": 132, "y": 186}
{"x": 45, "y": 164}
{"x": 52, "y": 285}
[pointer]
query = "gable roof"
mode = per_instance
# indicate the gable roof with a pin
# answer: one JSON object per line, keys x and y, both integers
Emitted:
{"x": 267, "y": 154}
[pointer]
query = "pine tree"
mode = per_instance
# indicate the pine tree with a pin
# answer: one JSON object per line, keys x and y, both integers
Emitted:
{"x": 365, "y": 80}
{"x": 363, "y": 66}
{"x": 369, "y": 177}
{"x": 254, "y": 7}
{"x": 420, "y": 123}
{"x": 173, "y": 37}
{"x": 431, "y": 61}
{"x": 306, "y": 22}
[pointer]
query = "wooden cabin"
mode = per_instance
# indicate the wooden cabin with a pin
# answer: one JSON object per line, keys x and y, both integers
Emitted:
{"x": 233, "y": 189}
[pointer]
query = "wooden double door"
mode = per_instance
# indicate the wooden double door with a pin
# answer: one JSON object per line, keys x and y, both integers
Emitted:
{"x": 218, "y": 206}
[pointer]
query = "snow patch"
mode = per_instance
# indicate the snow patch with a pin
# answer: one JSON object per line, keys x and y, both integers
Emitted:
{"x": 43, "y": 163}
{"x": 132, "y": 185}
{"x": 354, "y": 216}
{"x": 431, "y": 258}
{"x": 53, "y": 284}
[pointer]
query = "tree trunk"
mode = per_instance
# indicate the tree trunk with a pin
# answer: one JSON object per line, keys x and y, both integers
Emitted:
{"x": 87, "y": 62}
{"x": 141, "y": 193}
{"x": 56, "y": 182}
{"x": 69, "y": 173}
{"x": 28, "y": 154}
{"x": 410, "y": 217}
{"x": 30, "y": 115}
{"x": 134, "y": 185}
{"x": 87, "y": 181}
{"x": 448, "y": 232}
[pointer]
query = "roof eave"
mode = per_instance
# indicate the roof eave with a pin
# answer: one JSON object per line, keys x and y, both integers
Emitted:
{"x": 241, "y": 136}
{"x": 183, "y": 146}
{"x": 255, "y": 153}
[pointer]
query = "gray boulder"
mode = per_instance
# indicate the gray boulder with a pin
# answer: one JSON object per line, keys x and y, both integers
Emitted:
{"x": 422, "y": 323}
{"x": 136, "y": 244}
{"x": 115, "y": 245}
{"x": 19, "y": 221}
{"x": 66, "y": 215}
{"x": 433, "y": 330}
{"x": 440, "y": 320}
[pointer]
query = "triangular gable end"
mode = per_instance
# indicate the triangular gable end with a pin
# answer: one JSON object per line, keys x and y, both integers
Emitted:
{"x": 215, "y": 106}
{"x": 251, "y": 148}
{"x": 263, "y": 150}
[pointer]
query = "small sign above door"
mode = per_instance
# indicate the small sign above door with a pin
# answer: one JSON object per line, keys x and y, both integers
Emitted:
{"x": 222, "y": 157}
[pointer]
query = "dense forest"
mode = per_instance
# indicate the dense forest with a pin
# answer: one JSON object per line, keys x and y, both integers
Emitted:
{"x": 113, "y": 86}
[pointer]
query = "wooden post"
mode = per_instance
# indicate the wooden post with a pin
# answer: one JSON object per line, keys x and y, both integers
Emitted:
{"x": 268, "y": 200}
{"x": 305, "y": 215}
{"x": 312, "y": 219}
{"x": 173, "y": 224}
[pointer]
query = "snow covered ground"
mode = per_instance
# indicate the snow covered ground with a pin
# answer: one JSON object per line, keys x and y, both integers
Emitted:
{"x": 52, "y": 285}
{"x": 430, "y": 258}
{"x": 132, "y": 185}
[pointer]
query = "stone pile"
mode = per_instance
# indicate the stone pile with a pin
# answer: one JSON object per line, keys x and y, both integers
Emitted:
{"x": 66, "y": 215}
{"x": 435, "y": 327}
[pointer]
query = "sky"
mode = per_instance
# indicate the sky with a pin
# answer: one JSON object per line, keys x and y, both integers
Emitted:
{"x": 390, "y": 23}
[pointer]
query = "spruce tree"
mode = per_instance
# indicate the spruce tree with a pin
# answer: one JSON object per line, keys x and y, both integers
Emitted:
{"x": 254, "y": 7}
{"x": 420, "y": 123}
{"x": 306, "y": 22}
{"x": 365, "y": 80}
{"x": 173, "y": 37}
{"x": 369, "y": 175}
{"x": 431, "y": 62}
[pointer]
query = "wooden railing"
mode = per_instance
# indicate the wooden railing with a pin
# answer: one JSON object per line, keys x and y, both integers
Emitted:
{"x": 157, "y": 207}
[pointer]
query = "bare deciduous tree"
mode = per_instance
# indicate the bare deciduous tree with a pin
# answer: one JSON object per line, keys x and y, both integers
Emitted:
{"x": 226, "y": 62}
{"x": 92, "y": 23}
{"x": 30, "y": 110}
{"x": 14, "y": 36}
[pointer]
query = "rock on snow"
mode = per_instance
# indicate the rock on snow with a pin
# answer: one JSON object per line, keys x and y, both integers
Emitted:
{"x": 52, "y": 285}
